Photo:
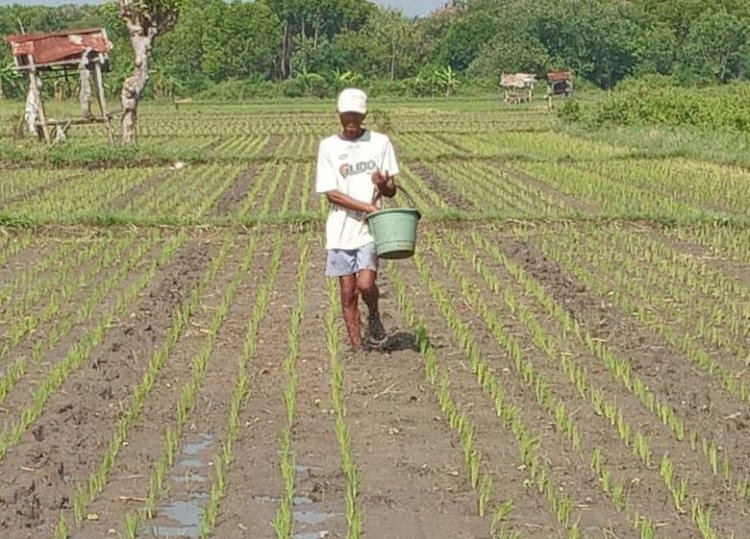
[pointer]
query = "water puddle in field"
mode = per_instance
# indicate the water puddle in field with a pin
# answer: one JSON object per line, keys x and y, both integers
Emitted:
{"x": 192, "y": 463}
{"x": 309, "y": 470}
{"x": 297, "y": 500}
{"x": 198, "y": 447}
{"x": 311, "y": 535}
{"x": 187, "y": 514}
{"x": 313, "y": 518}
{"x": 180, "y": 516}
{"x": 190, "y": 477}
{"x": 311, "y": 514}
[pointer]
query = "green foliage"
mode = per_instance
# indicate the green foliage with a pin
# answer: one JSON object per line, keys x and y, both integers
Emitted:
{"x": 712, "y": 109}
{"x": 310, "y": 44}
{"x": 10, "y": 81}
{"x": 513, "y": 55}
{"x": 94, "y": 155}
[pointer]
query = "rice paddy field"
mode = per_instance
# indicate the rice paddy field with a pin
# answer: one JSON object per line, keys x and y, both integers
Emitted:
{"x": 569, "y": 350}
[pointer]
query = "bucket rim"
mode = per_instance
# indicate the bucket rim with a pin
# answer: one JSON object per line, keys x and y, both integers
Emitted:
{"x": 395, "y": 210}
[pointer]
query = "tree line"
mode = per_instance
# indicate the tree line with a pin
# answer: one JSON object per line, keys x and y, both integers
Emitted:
{"x": 314, "y": 47}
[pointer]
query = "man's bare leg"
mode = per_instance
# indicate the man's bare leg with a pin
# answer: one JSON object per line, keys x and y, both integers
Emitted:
{"x": 369, "y": 289}
{"x": 350, "y": 307}
{"x": 370, "y": 294}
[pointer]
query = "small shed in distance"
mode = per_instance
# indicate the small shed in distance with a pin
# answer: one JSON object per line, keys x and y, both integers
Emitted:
{"x": 517, "y": 81}
{"x": 55, "y": 54}
{"x": 559, "y": 83}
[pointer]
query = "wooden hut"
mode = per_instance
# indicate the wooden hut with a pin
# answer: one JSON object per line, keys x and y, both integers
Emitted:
{"x": 513, "y": 82}
{"x": 559, "y": 83}
{"x": 57, "y": 54}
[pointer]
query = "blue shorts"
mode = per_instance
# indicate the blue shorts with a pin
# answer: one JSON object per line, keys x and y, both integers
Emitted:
{"x": 342, "y": 262}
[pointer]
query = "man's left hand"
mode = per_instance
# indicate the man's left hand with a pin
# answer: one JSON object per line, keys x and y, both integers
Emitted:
{"x": 384, "y": 182}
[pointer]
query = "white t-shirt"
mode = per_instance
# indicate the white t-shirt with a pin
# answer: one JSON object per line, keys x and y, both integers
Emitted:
{"x": 347, "y": 165}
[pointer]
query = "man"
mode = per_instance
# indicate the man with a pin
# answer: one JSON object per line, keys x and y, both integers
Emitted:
{"x": 355, "y": 168}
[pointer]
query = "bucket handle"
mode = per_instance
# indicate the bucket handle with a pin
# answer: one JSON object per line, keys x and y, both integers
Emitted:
{"x": 398, "y": 187}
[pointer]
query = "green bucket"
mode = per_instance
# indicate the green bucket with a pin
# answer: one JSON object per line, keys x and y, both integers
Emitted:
{"x": 394, "y": 231}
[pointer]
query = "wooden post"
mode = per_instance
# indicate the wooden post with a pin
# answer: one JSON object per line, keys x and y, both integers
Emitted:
{"x": 101, "y": 98}
{"x": 34, "y": 82}
{"x": 85, "y": 80}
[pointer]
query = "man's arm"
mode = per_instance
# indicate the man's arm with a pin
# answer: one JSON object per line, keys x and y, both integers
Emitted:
{"x": 345, "y": 201}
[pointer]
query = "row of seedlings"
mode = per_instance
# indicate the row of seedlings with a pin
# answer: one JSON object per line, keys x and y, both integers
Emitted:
{"x": 619, "y": 368}
{"x": 536, "y": 382}
{"x": 135, "y": 520}
{"x": 614, "y": 199}
{"x": 29, "y": 284}
{"x": 87, "y": 196}
{"x": 424, "y": 146}
{"x": 721, "y": 240}
{"x": 80, "y": 351}
{"x": 525, "y": 144}
{"x": 718, "y": 305}
{"x": 13, "y": 244}
{"x": 590, "y": 266}
{"x": 20, "y": 183}
{"x": 188, "y": 196}
{"x": 283, "y": 521}
{"x": 698, "y": 183}
{"x": 352, "y": 508}
{"x": 223, "y": 461}
{"x": 241, "y": 147}
{"x": 29, "y": 324}
{"x": 86, "y": 492}
{"x": 479, "y": 179}
{"x": 59, "y": 292}
{"x": 631, "y": 436}
{"x": 560, "y": 504}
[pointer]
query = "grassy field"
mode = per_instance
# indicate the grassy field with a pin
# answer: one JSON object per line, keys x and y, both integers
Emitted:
{"x": 569, "y": 349}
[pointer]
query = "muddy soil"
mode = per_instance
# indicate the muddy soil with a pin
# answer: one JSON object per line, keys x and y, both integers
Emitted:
{"x": 584, "y": 207}
{"x": 413, "y": 478}
{"x": 232, "y": 197}
{"x": 121, "y": 202}
{"x": 700, "y": 400}
{"x": 67, "y": 442}
{"x": 39, "y": 190}
{"x": 442, "y": 187}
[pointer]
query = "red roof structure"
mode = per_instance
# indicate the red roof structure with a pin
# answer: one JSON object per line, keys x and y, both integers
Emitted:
{"x": 559, "y": 76}
{"x": 57, "y": 48}
{"x": 55, "y": 53}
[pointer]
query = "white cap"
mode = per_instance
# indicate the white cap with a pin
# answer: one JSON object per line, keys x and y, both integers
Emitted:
{"x": 352, "y": 100}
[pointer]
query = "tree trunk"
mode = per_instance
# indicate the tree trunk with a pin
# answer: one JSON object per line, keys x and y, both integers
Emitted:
{"x": 132, "y": 88}
{"x": 286, "y": 53}
{"x": 393, "y": 59}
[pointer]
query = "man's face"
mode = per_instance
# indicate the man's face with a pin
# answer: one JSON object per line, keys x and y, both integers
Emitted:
{"x": 351, "y": 122}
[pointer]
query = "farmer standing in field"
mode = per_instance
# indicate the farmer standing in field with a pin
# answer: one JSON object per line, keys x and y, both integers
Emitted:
{"x": 355, "y": 168}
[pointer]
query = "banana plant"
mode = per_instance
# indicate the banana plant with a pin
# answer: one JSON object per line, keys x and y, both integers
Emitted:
{"x": 447, "y": 79}
{"x": 10, "y": 79}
